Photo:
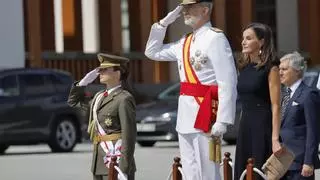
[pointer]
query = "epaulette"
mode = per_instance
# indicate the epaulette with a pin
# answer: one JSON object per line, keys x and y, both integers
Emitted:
{"x": 216, "y": 30}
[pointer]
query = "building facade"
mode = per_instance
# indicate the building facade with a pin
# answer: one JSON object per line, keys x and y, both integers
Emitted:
{"x": 67, "y": 34}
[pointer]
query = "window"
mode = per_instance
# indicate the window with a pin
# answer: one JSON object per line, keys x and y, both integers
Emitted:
{"x": 34, "y": 84}
{"x": 9, "y": 86}
{"x": 266, "y": 13}
{"x": 171, "y": 92}
{"x": 57, "y": 83}
{"x": 125, "y": 26}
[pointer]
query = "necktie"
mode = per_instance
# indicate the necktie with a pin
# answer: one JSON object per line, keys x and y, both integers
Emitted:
{"x": 285, "y": 101}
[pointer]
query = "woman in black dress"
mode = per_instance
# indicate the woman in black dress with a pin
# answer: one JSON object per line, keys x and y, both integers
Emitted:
{"x": 259, "y": 93}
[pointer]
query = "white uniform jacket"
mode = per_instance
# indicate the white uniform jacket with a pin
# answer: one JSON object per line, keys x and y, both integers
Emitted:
{"x": 213, "y": 63}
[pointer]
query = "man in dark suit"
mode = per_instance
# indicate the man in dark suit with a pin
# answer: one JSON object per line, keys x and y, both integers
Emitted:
{"x": 112, "y": 125}
{"x": 299, "y": 126}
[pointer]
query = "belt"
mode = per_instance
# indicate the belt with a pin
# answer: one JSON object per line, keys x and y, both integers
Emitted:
{"x": 206, "y": 115}
{"x": 109, "y": 137}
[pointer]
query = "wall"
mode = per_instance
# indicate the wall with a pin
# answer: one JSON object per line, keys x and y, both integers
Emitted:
{"x": 11, "y": 34}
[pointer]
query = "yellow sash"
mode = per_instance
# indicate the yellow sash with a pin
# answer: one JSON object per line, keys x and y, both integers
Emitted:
{"x": 191, "y": 76}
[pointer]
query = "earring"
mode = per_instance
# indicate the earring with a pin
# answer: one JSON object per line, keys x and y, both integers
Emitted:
{"x": 260, "y": 52}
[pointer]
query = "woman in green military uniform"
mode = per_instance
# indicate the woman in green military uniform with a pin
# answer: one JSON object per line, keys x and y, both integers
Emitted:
{"x": 112, "y": 125}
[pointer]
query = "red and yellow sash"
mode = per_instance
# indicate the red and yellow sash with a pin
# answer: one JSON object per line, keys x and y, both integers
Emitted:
{"x": 191, "y": 76}
{"x": 206, "y": 96}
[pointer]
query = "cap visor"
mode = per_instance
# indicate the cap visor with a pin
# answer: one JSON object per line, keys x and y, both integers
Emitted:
{"x": 188, "y": 3}
{"x": 107, "y": 65}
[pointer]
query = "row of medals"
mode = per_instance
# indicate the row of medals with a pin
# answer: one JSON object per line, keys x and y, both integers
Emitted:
{"x": 198, "y": 60}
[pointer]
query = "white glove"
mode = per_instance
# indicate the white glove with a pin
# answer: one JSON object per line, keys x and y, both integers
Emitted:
{"x": 121, "y": 177}
{"x": 89, "y": 77}
{"x": 171, "y": 16}
{"x": 218, "y": 129}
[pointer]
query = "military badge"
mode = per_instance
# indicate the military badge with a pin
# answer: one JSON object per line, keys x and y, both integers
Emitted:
{"x": 203, "y": 59}
{"x": 197, "y": 66}
{"x": 198, "y": 60}
{"x": 108, "y": 121}
{"x": 192, "y": 60}
{"x": 198, "y": 53}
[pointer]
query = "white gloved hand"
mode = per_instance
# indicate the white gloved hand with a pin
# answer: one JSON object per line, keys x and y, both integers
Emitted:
{"x": 218, "y": 129}
{"x": 171, "y": 16}
{"x": 121, "y": 178}
{"x": 89, "y": 77}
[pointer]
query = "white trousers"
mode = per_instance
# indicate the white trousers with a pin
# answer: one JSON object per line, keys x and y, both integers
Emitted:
{"x": 194, "y": 152}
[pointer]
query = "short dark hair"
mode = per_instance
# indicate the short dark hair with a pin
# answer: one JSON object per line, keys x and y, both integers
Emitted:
{"x": 123, "y": 71}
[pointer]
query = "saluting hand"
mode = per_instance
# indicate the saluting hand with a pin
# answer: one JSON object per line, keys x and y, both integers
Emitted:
{"x": 89, "y": 77}
{"x": 171, "y": 17}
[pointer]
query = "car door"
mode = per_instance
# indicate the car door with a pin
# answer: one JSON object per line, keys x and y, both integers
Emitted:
{"x": 318, "y": 83}
{"x": 9, "y": 98}
{"x": 37, "y": 96}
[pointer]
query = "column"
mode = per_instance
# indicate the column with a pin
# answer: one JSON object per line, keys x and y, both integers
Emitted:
{"x": 287, "y": 25}
{"x": 90, "y": 27}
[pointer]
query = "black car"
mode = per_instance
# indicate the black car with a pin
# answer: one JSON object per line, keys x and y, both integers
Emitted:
{"x": 156, "y": 120}
{"x": 33, "y": 109}
{"x": 312, "y": 77}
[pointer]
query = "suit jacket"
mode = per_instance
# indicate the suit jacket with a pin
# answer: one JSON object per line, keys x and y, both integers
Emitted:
{"x": 299, "y": 127}
{"x": 119, "y": 107}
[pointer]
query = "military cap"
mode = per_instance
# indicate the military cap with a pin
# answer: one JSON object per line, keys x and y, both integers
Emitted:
{"x": 186, "y": 2}
{"x": 108, "y": 60}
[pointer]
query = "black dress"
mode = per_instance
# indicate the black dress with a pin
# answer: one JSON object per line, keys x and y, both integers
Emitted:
{"x": 255, "y": 129}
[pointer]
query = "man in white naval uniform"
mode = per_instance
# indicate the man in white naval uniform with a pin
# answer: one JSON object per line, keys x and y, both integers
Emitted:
{"x": 205, "y": 63}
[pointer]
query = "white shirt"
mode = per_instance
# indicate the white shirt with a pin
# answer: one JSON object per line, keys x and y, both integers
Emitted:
{"x": 294, "y": 87}
{"x": 218, "y": 69}
{"x": 114, "y": 88}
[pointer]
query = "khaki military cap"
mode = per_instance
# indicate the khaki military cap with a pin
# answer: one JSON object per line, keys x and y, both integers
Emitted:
{"x": 108, "y": 60}
{"x": 186, "y": 2}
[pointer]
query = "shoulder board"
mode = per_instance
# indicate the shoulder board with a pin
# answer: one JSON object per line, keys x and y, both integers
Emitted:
{"x": 216, "y": 30}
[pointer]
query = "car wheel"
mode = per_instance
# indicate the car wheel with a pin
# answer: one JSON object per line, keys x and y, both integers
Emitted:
{"x": 146, "y": 143}
{"x": 63, "y": 136}
{"x": 3, "y": 148}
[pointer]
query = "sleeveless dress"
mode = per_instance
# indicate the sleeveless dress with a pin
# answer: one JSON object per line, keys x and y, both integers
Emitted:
{"x": 255, "y": 129}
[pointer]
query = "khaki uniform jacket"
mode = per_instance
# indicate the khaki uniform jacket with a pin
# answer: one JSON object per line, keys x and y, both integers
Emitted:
{"x": 119, "y": 107}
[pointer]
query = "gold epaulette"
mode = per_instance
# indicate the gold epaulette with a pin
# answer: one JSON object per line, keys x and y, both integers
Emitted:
{"x": 216, "y": 30}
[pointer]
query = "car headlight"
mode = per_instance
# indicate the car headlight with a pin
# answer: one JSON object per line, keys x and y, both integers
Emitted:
{"x": 163, "y": 117}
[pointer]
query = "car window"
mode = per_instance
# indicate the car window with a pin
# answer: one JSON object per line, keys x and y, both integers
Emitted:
{"x": 171, "y": 92}
{"x": 34, "y": 84}
{"x": 9, "y": 86}
{"x": 55, "y": 82}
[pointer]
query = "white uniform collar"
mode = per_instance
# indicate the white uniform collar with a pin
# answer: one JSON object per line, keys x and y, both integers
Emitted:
{"x": 112, "y": 89}
{"x": 201, "y": 29}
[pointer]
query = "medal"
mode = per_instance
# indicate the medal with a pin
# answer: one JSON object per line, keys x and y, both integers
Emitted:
{"x": 108, "y": 121}
{"x": 204, "y": 60}
{"x": 192, "y": 60}
{"x": 197, "y": 66}
{"x": 198, "y": 53}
